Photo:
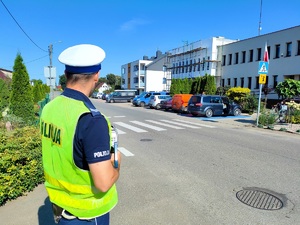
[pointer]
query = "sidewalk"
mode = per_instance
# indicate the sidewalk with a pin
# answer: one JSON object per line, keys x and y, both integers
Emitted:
{"x": 246, "y": 120}
{"x": 32, "y": 209}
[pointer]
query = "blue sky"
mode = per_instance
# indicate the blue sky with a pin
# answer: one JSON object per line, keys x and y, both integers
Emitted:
{"x": 128, "y": 30}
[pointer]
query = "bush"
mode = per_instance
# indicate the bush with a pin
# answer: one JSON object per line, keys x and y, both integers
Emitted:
{"x": 20, "y": 162}
{"x": 267, "y": 119}
{"x": 239, "y": 95}
{"x": 250, "y": 104}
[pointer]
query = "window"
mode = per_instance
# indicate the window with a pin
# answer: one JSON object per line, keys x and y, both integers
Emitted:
{"x": 203, "y": 63}
{"x": 236, "y": 58}
{"x": 258, "y": 54}
{"x": 277, "y": 51}
{"x": 230, "y": 59}
{"x": 123, "y": 71}
{"x": 251, "y": 55}
{"x": 275, "y": 81}
{"x": 223, "y": 60}
{"x": 249, "y": 82}
{"x": 242, "y": 82}
{"x": 288, "y": 49}
{"x": 234, "y": 82}
{"x": 198, "y": 64}
{"x": 228, "y": 81}
{"x": 243, "y": 56}
{"x": 208, "y": 58}
{"x": 298, "y": 47}
{"x": 182, "y": 70}
{"x": 223, "y": 83}
{"x": 257, "y": 82}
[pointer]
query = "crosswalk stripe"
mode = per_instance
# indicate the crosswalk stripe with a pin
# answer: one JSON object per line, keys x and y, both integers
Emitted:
{"x": 120, "y": 131}
{"x": 125, "y": 152}
{"x": 198, "y": 124}
{"x": 148, "y": 126}
{"x": 133, "y": 128}
{"x": 180, "y": 124}
{"x": 163, "y": 124}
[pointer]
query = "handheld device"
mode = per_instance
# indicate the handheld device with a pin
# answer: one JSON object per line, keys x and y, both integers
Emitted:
{"x": 115, "y": 145}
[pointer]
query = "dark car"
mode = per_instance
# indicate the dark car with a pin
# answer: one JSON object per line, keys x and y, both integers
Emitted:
{"x": 166, "y": 104}
{"x": 213, "y": 105}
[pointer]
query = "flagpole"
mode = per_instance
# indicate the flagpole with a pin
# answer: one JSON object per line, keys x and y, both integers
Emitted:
{"x": 262, "y": 71}
{"x": 259, "y": 24}
{"x": 259, "y": 98}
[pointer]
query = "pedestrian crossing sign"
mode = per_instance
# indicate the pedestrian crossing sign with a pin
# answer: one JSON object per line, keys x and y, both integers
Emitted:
{"x": 263, "y": 67}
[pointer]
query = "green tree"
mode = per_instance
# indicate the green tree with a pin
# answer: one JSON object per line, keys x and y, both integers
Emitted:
{"x": 209, "y": 85}
{"x": 111, "y": 79}
{"x": 62, "y": 81}
{"x": 38, "y": 92}
{"x": 4, "y": 94}
{"x": 288, "y": 88}
{"x": 21, "y": 99}
{"x": 266, "y": 90}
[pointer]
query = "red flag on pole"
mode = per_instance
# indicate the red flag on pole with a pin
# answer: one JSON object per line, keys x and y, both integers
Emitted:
{"x": 266, "y": 54}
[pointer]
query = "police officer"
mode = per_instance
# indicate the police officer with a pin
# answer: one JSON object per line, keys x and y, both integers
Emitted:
{"x": 78, "y": 164}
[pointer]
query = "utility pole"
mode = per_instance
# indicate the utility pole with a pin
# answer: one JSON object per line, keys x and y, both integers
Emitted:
{"x": 50, "y": 50}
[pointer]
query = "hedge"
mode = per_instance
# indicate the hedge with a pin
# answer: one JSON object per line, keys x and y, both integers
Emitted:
{"x": 20, "y": 162}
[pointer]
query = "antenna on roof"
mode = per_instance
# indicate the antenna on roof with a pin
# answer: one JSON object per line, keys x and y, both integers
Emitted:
{"x": 259, "y": 24}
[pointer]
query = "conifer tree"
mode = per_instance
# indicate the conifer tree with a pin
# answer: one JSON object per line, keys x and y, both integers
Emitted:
{"x": 21, "y": 100}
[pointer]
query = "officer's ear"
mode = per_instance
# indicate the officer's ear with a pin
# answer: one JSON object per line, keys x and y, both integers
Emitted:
{"x": 96, "y": 76}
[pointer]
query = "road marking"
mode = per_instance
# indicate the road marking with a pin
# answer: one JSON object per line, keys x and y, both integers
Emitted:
{"x": 120, "y": 131}
{"x": 125, "y": 152}
{"x": 202, "y": 125}
{"x": 180, "y": 124}
{"x": 135, "y": 129}
{"x": 148, "y": 126}
{"x": 119, "y": 116}
{"x": 163, "y": 124}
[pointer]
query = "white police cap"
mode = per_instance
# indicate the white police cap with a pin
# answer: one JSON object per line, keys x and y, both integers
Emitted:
{"x": 83, "y": 58}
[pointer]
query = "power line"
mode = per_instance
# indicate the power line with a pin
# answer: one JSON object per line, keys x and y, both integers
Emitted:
{"x": 21, "y": 27}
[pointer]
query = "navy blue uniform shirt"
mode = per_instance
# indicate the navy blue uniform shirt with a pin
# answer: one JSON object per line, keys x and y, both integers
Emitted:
{"x": 91, "y": 141}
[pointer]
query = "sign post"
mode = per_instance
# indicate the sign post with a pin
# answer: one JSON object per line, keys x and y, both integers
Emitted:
{"x": 262, "y": 71}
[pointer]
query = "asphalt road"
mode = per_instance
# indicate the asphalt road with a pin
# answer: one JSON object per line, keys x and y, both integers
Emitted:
{"x": 184, "y": 170}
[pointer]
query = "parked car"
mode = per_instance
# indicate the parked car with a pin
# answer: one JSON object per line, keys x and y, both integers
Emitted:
{"x": 94, "y": 94}
{"x": 121, "y": 96}
{"x": 180, "y": 102}
{"x": 213, "y": 105}
{"x": 143, "y": 99}
{"x": 99, "y": 95}
{"x": 104, "y": 96}
{"x": 155, "y": 101}
{"x": 166, "y": 104}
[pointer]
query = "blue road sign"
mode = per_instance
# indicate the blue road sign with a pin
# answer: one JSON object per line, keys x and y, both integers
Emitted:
{"x": 263, "y": 67}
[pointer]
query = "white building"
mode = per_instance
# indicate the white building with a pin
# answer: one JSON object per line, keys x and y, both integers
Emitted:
{"x": 233, "y": 62}
{"x": 146, "y": 75}
{"x": 239, "y": 61}
{"x": 195, "y": 59}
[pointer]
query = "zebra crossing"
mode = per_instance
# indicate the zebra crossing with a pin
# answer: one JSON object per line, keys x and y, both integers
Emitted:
{"x": 157, "y": 125}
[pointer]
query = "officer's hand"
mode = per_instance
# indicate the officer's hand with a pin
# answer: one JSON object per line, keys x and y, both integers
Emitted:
{"x": 119, "y": 159}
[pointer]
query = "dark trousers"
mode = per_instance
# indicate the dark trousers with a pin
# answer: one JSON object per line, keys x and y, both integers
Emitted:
{"x": 102, "y": 220}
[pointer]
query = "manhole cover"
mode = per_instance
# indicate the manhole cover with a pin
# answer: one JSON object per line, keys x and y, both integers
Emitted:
{"x": 259, "y": 199}
{"x": 146, "y": 139}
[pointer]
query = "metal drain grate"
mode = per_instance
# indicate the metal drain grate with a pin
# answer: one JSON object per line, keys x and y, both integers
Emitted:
{"x": 259, "y": 199}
